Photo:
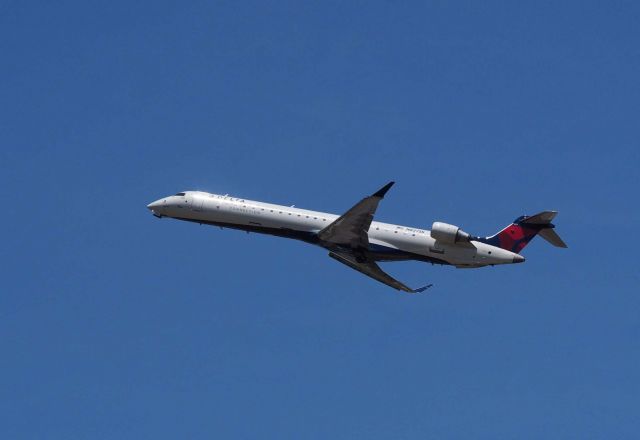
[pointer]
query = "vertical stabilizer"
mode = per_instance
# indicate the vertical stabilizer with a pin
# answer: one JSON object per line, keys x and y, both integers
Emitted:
{"x": 518, "y": 234}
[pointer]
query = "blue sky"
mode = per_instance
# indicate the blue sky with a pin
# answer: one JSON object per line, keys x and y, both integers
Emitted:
{"x": 114, "y": 324}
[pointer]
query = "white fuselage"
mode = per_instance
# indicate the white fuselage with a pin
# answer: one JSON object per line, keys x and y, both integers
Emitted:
{"x": 388, "y": 241}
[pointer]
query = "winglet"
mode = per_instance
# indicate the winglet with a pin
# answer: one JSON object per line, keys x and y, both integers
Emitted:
{"x": 421, "y": 289}
{"x": 382, "y": 191}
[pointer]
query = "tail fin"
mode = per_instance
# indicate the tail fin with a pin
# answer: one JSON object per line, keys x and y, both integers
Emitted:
{"x": 519, "y": 233}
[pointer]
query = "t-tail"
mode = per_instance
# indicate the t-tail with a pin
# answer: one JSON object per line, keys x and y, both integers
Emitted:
{"x": 519, "y": 233}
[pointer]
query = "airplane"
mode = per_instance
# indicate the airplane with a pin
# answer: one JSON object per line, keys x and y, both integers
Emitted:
{"x": 357, "y": 241}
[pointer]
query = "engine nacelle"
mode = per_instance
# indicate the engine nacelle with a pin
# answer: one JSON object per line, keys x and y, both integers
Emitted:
{"x": 446, "y": 233}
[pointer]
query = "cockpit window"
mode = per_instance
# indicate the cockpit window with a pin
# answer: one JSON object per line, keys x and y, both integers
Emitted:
{"x": 180, "y": 194}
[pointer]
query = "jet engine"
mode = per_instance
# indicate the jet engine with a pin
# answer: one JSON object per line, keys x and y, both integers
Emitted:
{"x": 446, "y": 233}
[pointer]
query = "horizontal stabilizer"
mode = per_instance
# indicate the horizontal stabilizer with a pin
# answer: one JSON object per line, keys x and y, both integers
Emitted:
{"x": 552, "y": 237}
{"x": 541, "y": 218}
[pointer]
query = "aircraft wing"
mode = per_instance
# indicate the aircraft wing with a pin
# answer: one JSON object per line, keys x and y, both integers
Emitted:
{"x": 371, "y": 269}
{"x": 351, "y": 228}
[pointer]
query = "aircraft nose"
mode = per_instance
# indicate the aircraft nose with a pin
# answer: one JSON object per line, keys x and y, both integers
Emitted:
{"x": 157, "y": 207}
{"x": 518, "y": 259}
